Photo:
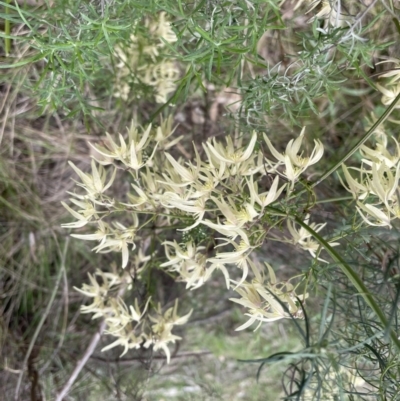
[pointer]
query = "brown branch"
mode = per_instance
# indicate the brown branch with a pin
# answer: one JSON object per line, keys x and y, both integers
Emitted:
{"x": 82, "y": 362}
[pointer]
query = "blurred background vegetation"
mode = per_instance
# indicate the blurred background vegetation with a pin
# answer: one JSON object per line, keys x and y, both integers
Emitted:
{"x": 243, "y": 65}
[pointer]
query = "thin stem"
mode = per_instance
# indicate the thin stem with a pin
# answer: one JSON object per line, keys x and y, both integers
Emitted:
{"x": 82, "y": 362}
{"x": 88, "y": 353}
{"x": 7, "y": 31}
{"x": 354, "y": 279}
{"x": 330, "y": 200}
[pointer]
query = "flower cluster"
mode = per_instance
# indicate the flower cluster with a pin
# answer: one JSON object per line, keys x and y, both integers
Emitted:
{"x": 133, "y": 326}
{"x": 216, "y": 211}
{"x": 160, "y": 334}
{"x": 376, "y": 189}
{"x": 302, "y": 238}
{"x": 143, "y": 60}
{"x": 268, "y": 301}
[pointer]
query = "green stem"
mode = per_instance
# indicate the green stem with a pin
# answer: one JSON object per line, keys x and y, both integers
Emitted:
{"x": 330, "y": 200}
{"x": 354, "y": 279}
{"x": 354, "y": 149}
{"x": 7, "y": 30}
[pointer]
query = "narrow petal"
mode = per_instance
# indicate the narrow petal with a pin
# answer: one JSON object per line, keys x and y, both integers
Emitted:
{"x": 247, "y": 153}
{"x": 277, "y": 155}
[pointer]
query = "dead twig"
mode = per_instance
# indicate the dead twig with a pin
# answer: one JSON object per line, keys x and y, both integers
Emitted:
{"x": 82, "y": 362}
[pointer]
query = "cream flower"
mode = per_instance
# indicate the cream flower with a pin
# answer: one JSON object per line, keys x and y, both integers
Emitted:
{"x": 131, "y": 154}
{"x": 95, "y": 291}
{"x": 98, "y": 292}
{"x": 170, "y": 317}
{"x": 161, "y": 333}
{"x": 100, "y": 235}
{"x": 87, "y": 212}
{"x": 384, "y": 184}
{"x": 112, "y": 149}
{"x": 301, "y": 234}
{"x": 116, "y": 245}
{"x": 189, "y": 262}
{"x": 265, "y": 300}
{"x": 94, "y": 184}
{"x": 266, "y": 198}
{"x": 121, "y": 316}
{"x": 215, "y": 166}
{"x": 380, "y": 155}
{"x": 196, "y": 207}
{"x": 313, "y": 246}
{"x": 138, "y": 201}
{"x": 380, "y": 218}
{"x": 393, "y": 73}
{"x": 234, "y": 216}
{"x": 116, "y": 240}
{"x": 189, "y": 174}
{"x": 301, "y": 237}
{"x": 160, "y": 340}
{"x": 389, "y": 93}
{"x": 228, "y": 153}
{"x": 170, "y": 199}
{"x": 182, "y": 253}
{"x": 152, "y": 180}
{"x": 136, "y": 147}
{"x": 164, "y": 131}
{"x": 239, "y": 257}
{"x": 204, "y": 186}
{"x": 138, "y": 265}
{"x": 128, "y": 340}
{"x": 358, "y": 189}
{"x": 228, "y": 230}
{"x": 294, "y": 162}
{"x": 135, "y": 310}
